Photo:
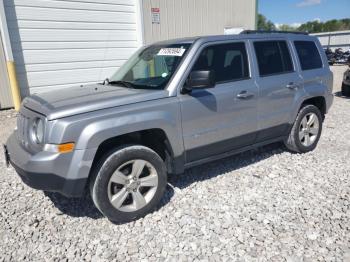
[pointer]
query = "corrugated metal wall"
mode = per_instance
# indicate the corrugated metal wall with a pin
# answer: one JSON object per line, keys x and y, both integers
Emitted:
{"x": 181, "y": 18}
{"x": 58, "y": 43}
{"x": 5, "y": 91}
{"x": 338, "y": 39}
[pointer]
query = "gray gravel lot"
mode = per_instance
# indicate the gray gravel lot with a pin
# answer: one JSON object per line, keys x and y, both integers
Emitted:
{"x": 262, "y": 205}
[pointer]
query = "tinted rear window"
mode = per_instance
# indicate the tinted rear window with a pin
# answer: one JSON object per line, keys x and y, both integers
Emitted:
{"x": 273, "y": 57}
{"x": 308, "y": 54}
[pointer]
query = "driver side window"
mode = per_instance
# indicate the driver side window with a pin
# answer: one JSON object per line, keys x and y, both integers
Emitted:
{"x": 228, "y": 61}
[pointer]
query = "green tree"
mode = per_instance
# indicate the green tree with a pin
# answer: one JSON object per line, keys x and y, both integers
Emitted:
{"x": 311, "y": 26}
{"x": 328, "y": 26}
{"x": 287, "y": 28}
{"x": 265, "y": 24}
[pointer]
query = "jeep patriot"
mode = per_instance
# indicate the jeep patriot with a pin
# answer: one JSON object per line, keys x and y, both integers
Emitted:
{"x": 172, "y": 105}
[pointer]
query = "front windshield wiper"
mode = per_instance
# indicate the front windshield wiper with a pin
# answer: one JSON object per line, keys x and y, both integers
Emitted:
{"x": 118, "y": 82}
{"x": 123, "y": 83}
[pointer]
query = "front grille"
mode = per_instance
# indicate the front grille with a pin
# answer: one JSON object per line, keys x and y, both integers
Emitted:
{"x": 25, "y": 119}
{"x": 22, "y": 128}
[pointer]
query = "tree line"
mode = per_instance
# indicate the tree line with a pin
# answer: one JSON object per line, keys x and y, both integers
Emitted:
{"x": 311, "y": 26}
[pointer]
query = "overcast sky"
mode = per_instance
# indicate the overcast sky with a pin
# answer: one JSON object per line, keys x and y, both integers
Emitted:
{"x": 300, "y": 11}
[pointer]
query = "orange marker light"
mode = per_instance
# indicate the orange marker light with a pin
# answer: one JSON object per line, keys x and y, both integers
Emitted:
{"x": 65, "y": 148}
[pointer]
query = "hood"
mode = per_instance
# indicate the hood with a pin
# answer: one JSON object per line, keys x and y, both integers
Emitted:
{"x": 82, "y": 99}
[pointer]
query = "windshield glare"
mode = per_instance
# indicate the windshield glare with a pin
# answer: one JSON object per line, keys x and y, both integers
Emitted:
{"x": 151, "y": 67}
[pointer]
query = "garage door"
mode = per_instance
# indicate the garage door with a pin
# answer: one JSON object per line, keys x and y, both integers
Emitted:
{"x": 59, "y": 43}
{"x": 5, "y": 92}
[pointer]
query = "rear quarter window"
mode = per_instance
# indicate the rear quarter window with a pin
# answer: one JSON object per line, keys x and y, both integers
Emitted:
{"x": 309, "y": 56}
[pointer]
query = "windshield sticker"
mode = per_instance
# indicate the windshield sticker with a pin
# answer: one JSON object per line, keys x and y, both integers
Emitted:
{"x": 171, "y": 51}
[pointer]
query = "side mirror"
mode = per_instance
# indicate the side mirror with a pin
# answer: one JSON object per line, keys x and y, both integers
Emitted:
{"x": 200, "y": 80}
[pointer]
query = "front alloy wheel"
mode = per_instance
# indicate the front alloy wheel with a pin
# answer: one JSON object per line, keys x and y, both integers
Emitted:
{"x": 133, "y": 185}
{"x": 128, "y": 183}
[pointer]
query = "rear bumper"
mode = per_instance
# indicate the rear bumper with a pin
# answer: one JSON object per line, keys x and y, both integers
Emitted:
{"x": 47, "y": 171}
{"x": 329, "y": 102}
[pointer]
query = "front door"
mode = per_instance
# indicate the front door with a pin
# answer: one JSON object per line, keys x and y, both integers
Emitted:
{"x": 217, "y": 120}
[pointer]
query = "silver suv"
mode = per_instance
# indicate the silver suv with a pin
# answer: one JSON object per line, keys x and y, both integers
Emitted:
{"x": 171, "y": 106}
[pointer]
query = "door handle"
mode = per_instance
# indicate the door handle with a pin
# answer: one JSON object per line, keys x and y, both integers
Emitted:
{"x": 245, "y": 95}
{"x": 292, "y": 85}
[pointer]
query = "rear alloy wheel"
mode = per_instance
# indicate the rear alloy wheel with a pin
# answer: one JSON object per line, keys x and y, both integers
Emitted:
{"x": 128, "y": 183}
{"x": 306, "y": 130}
{"x": 309, "y": 129}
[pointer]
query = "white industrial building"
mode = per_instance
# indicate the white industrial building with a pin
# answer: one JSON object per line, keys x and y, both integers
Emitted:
{"x": 333, "y": 40}
{"x": 59, "y": 43}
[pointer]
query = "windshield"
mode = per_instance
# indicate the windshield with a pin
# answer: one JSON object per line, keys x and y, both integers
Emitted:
{"x": 151, "y": 67}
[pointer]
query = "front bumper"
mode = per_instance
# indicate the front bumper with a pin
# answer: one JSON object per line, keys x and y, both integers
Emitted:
{"x": 43, "y": 170}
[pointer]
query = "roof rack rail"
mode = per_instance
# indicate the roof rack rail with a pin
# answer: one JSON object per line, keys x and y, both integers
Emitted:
{"x": 272, "y": 32}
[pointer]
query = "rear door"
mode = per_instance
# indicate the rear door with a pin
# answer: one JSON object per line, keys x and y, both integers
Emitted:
{"x": 314, "y": 72}
{"x": 278, "y": 82}
{"x": 217, "y": 120}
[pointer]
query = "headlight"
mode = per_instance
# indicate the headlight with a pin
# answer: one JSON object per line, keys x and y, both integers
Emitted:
{"x": 38, "y": 131}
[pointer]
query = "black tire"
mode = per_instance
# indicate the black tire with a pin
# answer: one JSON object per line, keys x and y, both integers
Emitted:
{"x": 293, "y": 142}
{"x": 109, "y": 163}
{"x": 345, "y": 90}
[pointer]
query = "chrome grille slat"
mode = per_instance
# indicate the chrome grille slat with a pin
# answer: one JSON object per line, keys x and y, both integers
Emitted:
{"x": 22, "y": 128}
{"x": 25, "y": 120}
{"x": 25, "y": 129}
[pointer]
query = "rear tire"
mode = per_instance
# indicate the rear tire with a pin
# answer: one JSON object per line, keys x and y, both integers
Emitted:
{"x": 306, "y": 130}
{"x": 345, "y": 90}
{"x": 128, "y": 183}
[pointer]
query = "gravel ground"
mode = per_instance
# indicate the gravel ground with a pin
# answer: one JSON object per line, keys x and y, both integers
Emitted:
{"x": 262, "y": 205}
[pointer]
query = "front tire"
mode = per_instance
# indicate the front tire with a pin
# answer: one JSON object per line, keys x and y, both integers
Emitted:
{"x": 128, "y": 183}
{"x": 306, "y": 130}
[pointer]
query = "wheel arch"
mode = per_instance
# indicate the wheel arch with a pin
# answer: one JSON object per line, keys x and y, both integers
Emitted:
{"x": 154, "y": 138}
{"x": 318, "y": 101}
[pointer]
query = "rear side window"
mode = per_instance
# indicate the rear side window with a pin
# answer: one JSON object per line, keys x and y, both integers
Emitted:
{"x": 308, "y": 54}
{"x": 228, "y": 61}
{"x": 273, "y": 57}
